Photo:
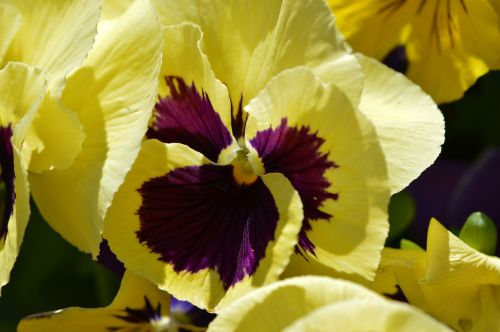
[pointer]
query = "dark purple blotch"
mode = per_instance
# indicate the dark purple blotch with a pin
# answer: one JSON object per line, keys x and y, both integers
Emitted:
{"x": 7, "y": 177}
{"x": 198, "y": 217}
{"x": 295, "y": 152}
{"x": 188, "y": 117}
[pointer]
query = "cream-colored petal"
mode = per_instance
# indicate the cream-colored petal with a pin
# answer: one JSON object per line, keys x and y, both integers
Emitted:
{"x": 247, "y": 43}
{"x": 113, "y": 94}
{"x": 54, "y": 35}
{"x": 409, "y": 125}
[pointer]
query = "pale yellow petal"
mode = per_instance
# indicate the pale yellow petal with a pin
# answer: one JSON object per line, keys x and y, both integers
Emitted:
{"x": 249, "y": 42}
{"x": 113, "y": 94}
{"x": 409, "y": 125}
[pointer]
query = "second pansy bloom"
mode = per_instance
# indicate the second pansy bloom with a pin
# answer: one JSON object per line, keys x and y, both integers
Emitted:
{"x": 269, "y": 140}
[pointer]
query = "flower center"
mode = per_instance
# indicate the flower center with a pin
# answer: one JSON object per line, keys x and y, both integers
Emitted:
{"x": 243, "y": 172}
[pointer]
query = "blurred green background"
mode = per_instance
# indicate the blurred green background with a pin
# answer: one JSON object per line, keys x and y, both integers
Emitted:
{"x": 51, "y": 274}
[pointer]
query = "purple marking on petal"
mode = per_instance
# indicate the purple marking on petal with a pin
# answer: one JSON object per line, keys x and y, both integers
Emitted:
{"x": 198, "y": 217}
{"x": 189, "y": 118}
{"x": 7, "y": 177}
{"x": 294, "y": 152}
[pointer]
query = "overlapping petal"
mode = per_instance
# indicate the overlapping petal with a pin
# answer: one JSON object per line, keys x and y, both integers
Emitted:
{"x": 113, "y": 94}
{"x": 10, "y": 20}
{"x": 22, "y": 89}
{"x": 316, "y": 304}
{"x": 138, "y": 306}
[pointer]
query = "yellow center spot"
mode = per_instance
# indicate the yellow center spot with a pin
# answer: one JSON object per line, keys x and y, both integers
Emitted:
{"x": 243, "y": 173}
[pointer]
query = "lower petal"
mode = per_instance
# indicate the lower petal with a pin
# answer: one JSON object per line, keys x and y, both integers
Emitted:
{"x": 189, "y": 227}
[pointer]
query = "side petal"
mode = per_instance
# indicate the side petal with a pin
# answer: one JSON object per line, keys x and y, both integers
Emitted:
{"x": 138, "y": 305}
{"x": 409, "y": 125}
{"x": 55, "y": 36}
{"x": 22, "y": 89}
{"x": 247, "y": 43}
{"x": 310, "y": 132}
{"x": 173, "y": 222}
{"x": 113, "y": 94}
{"x": 10, "y": 21}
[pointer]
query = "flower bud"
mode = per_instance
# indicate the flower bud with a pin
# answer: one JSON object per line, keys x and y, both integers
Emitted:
{"x": 480, "y": 233}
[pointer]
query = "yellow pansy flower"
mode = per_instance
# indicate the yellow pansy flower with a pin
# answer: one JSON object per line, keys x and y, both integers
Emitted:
{"x": 449, "y": 44}
{"x": 310, "y": 304}
{"x": 269, "y": 139}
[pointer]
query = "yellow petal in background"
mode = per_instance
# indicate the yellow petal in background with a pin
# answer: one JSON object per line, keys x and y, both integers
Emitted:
{"x": 409, "y": 125}
{"x": 22, "y": 89}
{"x": 134, "y": 295}
{"x": 10, "y": 20}
{"x": 352, "y": 239}
{"x": 319, "y": 304}
{"x": 456, "y": 41}
{"x": 113, "y": 93}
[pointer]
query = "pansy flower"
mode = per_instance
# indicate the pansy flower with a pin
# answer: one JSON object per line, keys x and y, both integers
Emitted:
{"x": 448, "y": 44}
{"x": 450, "y": 280}
{"x": 319, "y": 304}
{"x": 21, "y": 89}
{"x": 257, "y": 151}
{"x": 138, "y": 306}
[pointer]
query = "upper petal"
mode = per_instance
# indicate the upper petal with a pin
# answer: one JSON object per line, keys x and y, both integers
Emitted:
{"x": 247, "y": 43}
